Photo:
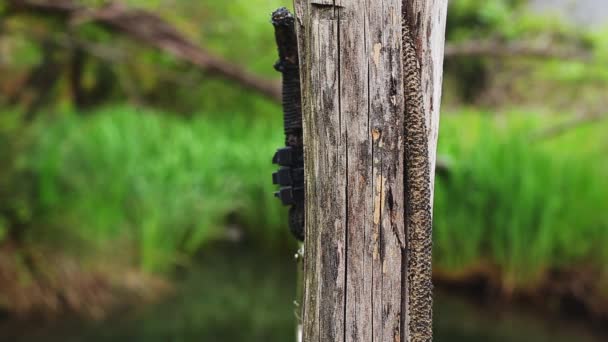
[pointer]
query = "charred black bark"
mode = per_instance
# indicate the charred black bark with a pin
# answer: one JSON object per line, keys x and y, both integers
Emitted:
{"x": 291, "y": 158}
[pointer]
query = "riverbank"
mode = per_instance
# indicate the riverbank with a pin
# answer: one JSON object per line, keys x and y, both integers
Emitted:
{"x": 233, "y": 292}
{"x": 70, "y": 289}
{"x": 575, "y": 293}
{"x": 39, "y": 282}
{"x": 520, "y": 210}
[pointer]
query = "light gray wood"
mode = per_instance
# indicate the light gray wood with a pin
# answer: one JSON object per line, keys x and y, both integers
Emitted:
{"x": 354, "y": 110}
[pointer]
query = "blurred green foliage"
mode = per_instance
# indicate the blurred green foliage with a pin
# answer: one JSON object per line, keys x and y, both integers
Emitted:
{"x": 171, "y": 185}
{"x": 239, "y": 31}
{"x": 521, "y": 204}
{"x": 470, "y": 77}
{"x": 167, "y": 184}
{"x": 479, "y": 19}
{"x": 16, "y": 192}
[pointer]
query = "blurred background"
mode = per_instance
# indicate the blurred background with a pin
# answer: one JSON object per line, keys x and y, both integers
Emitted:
{"x": 135, "y": 192}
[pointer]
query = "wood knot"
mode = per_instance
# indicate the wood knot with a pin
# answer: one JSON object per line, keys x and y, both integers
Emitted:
{"x": 376, "y": 134}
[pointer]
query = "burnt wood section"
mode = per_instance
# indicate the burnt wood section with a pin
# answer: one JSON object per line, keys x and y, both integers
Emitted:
{"x": 290, "y": 176}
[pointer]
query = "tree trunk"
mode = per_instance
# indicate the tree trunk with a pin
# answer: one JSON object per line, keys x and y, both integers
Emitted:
{"x": 371, "y": 85}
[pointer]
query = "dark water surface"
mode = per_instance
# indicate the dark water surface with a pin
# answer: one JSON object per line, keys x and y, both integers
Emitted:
{"x": 239, "y": 295}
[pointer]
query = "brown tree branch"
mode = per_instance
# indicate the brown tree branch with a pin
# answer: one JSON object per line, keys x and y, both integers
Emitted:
{"x": 150, "y": 29}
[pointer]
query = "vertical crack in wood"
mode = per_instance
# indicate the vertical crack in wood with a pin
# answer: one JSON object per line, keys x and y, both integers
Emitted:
{"x": 337, "y": 13}
{"x": 366, "y": 237}
{"x": 404, "y": 300}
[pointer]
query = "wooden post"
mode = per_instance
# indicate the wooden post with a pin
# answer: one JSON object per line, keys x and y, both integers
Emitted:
{"x": 371, "y": 75}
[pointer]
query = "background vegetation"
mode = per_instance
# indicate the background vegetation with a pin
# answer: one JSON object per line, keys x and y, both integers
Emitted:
{"x": 162, "y": 161}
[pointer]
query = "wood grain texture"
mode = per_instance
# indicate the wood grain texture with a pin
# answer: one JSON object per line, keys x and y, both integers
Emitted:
{"x": 354, "y": 94}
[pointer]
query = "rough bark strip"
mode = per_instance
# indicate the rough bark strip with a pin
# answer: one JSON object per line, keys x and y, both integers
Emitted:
{"x": 424, "y": 39}
{"x": 427, "y": 20}
{"x": 418, "y": 198}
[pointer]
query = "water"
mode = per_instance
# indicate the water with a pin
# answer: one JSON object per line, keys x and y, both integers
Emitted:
{"x": 458, "y": 319}
{"x": 238, "y": 295}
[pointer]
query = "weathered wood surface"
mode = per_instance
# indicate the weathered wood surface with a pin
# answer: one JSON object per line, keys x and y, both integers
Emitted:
{"x": 356, "y": 284}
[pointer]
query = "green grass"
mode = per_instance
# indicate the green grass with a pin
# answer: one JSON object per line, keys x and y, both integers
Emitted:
{"x": 525, "y": 206}
{"x": 167, "y": 184}
{"x": 170, "y": 185}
